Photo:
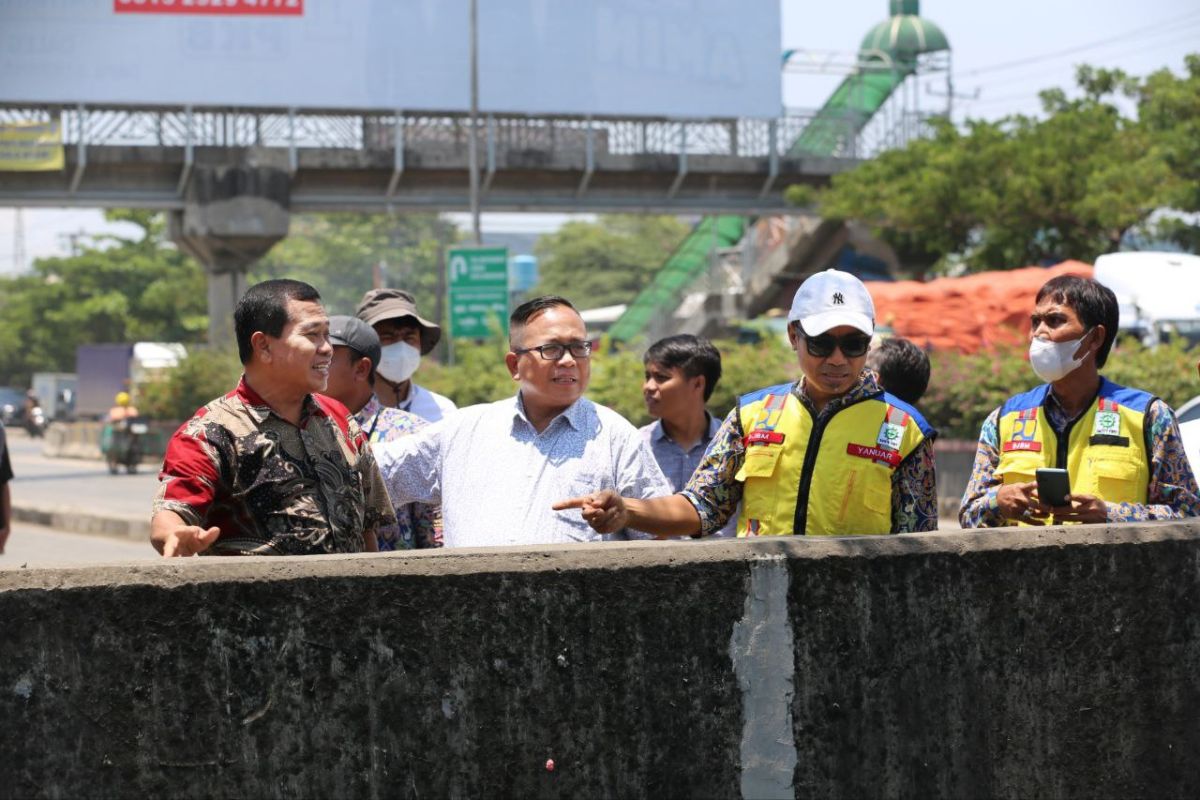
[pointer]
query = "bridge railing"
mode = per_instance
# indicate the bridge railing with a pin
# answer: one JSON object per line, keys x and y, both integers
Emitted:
{"x": 118, "y": 125}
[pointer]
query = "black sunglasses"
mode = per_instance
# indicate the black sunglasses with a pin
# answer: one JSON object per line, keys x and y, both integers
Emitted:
{"x": 554, "y": 351}
{"x": 852, "y": 345}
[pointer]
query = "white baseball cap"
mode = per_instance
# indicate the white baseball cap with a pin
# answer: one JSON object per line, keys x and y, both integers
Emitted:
{"x": 832, "y": 298}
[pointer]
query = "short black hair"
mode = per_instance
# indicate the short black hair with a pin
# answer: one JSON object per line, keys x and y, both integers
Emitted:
{"x": 264, "y": 308}
{"x": 691, "y": 354}
{"x": 903, "y": 368}
{"x": 1093, "y": 302}
{"x": 531, "y": 308}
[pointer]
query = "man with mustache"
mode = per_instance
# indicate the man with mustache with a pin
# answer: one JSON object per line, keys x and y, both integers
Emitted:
{"x": 829, "y": 455}
{"x": 273, "y": 467}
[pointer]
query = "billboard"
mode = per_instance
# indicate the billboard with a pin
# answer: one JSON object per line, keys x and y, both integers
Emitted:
{"x": 679, "y": 58}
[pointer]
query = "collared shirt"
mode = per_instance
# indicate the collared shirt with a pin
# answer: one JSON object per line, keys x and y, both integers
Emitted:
{"x": 679, "y": 464}
{"x": 274, "y": 488}
{"x": 1172, "y": 493}
{"x": 496, "y": 476}
{"x": 429, "y": 406}
{"x": 715, "y": 492}
{"x": 417, "y": 524}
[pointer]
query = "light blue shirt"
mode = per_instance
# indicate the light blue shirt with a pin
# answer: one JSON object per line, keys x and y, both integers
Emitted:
{"x": 496, "y": 477}
{"x": 679, "y": 464}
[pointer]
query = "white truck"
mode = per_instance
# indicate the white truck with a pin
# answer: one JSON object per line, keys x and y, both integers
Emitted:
{"x": 1158, "y": 293}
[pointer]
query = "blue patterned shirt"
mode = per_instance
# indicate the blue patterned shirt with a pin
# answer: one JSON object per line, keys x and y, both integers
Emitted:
{"x": 1172, "y": 492}
{"x": 679, "y": 464}
{"x": 418, "y": 525}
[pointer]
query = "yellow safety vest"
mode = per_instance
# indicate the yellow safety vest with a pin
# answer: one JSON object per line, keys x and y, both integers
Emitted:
{"x": 1105, "y": 451}
{"x": 827, "y": 478}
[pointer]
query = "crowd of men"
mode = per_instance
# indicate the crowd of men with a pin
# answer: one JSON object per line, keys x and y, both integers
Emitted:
{"x": 328, "y": 445}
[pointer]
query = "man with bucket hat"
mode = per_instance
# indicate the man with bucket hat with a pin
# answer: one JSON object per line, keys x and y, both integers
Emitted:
{"x": 405, "y": 336}
{"x": 829, "y": 455}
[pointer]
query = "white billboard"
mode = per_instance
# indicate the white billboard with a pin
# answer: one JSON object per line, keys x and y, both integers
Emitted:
{"x": 684, "y": 58}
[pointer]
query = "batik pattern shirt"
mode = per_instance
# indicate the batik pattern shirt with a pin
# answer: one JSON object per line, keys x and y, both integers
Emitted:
{"x": 1171, "y": 494}
{"x": 679, "y": 464}
{"x": 715, "y": 492}
{"x": 418, "y": 525}
{"x": 274, "y": 488}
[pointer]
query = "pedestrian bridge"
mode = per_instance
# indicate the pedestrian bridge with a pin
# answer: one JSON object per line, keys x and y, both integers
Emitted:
{"x": 122, "y": 156}
{"x": 1011, "y": 663}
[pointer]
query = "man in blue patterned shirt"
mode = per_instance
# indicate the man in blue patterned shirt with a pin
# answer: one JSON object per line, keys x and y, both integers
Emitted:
{"x": 356, "y": 353}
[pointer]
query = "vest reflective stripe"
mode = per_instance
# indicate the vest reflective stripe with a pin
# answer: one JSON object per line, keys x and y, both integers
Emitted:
{"x": 1106, "y": 459}
{"x": 850, "y": 491}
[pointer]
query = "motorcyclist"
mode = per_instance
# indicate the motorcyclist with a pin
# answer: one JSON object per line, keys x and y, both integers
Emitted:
{"x": 124, "y": 408}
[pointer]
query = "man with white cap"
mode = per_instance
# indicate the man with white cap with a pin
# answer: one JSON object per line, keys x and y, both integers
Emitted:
{"x": 405, "y": 336}
{"x": 831, "y": 454}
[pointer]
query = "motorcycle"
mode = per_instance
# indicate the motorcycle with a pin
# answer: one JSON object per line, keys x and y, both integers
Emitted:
{"x": 35, "y": 422}
{"x": 123, "y": 444}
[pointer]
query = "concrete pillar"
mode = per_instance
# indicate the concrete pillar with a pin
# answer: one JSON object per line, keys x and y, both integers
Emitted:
{"x": 233, "y": 215}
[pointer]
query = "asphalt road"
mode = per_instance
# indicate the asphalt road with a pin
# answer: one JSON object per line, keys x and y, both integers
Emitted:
{"x": 34, "y": 546}
{"x": 76, "y": 484}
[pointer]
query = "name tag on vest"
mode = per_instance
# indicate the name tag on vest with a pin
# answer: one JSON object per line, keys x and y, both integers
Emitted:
{"x": 1020, "y": 444}
{"x": 763, "y": 437}
{"x": 890, "y": 457}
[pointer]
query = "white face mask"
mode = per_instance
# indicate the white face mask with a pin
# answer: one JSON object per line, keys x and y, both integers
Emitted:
{"x": 1054, "y": 360}
{"x": 398, "y": 362}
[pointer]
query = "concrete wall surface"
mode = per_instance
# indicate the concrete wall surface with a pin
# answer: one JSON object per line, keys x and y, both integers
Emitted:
{"x": 1033, "y": 663}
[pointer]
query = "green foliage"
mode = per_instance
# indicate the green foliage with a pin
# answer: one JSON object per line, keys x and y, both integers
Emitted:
{"x": 116, "y": 289}
{"x": 1023, "y": 190}
{"x": 479, "y": 375}
{"x": 203, "y": 376}
{"x": 608, "y": 261}
{"x": 338, "y": 253}
{"x": 964, "y": 389}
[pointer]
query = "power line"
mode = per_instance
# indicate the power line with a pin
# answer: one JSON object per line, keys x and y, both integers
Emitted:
{"x": 1156, "y": 28}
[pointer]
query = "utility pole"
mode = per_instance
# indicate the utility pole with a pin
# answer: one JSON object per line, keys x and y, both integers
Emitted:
{"x": 19, "y": 243}
{"x": 472, "y": 153}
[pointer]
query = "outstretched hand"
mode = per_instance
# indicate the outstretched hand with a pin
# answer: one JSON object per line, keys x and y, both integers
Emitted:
{"x": 603, "y": 510}
{"x": 189, "y": 540}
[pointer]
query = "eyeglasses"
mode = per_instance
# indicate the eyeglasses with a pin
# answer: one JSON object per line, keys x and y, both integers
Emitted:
{"x": 852, "y": 345}
{"x": 554, "y": 351}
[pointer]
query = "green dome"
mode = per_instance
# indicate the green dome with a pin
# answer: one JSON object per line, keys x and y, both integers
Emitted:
{"x": 905, "y": 35}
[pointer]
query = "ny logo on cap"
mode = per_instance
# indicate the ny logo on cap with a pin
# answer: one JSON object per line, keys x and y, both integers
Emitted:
{"x": 838, "y": 300}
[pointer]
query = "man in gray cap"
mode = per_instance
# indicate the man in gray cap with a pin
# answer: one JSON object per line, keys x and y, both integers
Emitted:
{"x": 405, "y": 336}
{"x": 829, "y": 455}
{"x": 352, "y": 373}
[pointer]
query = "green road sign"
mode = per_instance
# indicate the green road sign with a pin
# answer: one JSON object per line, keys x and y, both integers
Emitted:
{"x": 478, "y": 281}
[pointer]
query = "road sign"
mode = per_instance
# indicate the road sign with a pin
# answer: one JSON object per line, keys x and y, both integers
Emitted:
{"x": 478, "y": 291}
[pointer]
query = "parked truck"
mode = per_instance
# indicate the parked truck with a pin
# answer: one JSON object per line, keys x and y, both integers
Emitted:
{"x": 56, "y": 392}
{"x": 103, "y": 370}
{"x": 1158, "y": 294}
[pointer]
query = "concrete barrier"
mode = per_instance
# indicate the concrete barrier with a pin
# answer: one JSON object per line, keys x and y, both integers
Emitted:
{"x": 1056, "y": 662}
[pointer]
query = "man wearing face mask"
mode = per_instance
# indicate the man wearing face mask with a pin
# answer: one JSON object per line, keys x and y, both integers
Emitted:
{"x": 1120, "y": 446}
{"x": 405, "y": 336}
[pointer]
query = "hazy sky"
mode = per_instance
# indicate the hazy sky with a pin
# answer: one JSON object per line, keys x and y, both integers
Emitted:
{"x": 1003, "y": 54}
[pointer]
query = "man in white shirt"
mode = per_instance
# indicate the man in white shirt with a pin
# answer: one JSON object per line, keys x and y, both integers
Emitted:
{"x": 497, "y": 468}
{"x": 405, "y": 336}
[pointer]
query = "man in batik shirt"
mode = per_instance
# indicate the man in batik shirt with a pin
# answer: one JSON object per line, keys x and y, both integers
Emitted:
{"x": 356, "y": 353}
{"x": 272, "y": 468}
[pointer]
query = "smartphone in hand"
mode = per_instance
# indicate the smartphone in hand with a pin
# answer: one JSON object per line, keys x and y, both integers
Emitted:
{"x": 1054, "y": 486}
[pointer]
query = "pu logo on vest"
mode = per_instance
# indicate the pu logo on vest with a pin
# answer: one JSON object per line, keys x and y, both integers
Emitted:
{"x": 1024, "y": 435}
{"x": 838, "y": 300}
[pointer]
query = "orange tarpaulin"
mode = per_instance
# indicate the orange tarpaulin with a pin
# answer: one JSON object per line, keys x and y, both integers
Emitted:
{"x": 969, "y": 313}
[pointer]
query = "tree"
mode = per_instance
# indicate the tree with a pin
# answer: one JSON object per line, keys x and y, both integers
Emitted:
{"x": 1024, "y": 190}
{"x": 339, "y": 252}
{"x": 116, "y": 289}
{"x": 608, "y": 261}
